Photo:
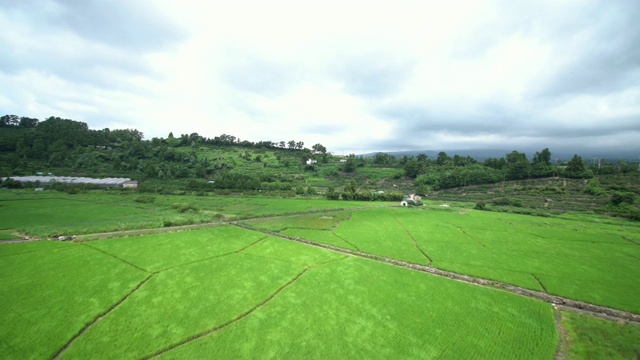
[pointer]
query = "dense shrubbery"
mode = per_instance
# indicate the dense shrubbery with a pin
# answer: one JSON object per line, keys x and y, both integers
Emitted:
{"x": 505, "y": 201}
{"x": 145, "y": 199}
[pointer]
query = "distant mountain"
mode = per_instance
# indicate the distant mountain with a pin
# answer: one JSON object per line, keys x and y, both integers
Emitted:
{"x": 483, "y": 154}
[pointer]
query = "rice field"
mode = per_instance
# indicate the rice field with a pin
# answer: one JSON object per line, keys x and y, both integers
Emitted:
{"x": 587, "y": 261}
{"x": 224, "y": 291}
{"x": 220, "y": 300}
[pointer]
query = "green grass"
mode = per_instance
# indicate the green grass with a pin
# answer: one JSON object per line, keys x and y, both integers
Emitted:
{"x": 593, "y": 338}
{"x": 357, "y": 308}
{"x": 7, "y": 235}
{"x": 51, "y": 290}
{"x": 50, "y": 213}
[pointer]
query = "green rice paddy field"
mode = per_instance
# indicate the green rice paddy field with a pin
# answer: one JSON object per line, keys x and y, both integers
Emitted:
{"x": 229, "y": 292}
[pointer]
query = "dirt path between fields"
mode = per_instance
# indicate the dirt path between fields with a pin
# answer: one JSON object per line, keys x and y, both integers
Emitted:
{"x": 562, "y": 302}
{"x": 564, "y": 344}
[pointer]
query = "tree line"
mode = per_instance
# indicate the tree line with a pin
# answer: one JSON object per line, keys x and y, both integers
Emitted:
{"x": 446, "y": 171}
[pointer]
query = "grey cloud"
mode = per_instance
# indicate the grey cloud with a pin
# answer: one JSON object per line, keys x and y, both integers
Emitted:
{"x": 134, "y": 25}
{"x": 373, "y": 75}
{"x": 255, "y": 74}
{"x": 111, "y": 36}
{"x": 601, "y": 56}
{"x": 417, "y": 127}
{"x": 412, "y": 120}
{"x": 326, "y": 130}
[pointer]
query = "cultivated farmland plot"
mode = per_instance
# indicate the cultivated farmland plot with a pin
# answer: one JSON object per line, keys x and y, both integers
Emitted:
{"x": 228, "y": 292}
{"x": 247, "y": 295}
{"x": 596, "y": 263}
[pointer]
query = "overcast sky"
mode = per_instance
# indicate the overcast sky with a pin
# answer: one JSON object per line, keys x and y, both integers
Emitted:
{"x": 355, "y": 76}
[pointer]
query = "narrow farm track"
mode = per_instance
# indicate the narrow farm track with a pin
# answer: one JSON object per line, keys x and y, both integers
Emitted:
{"x": 562, "y": 302}
{"x": 564, "y": 344}
{"x": 239, "y": 317}
{"x": 100, "y": 317}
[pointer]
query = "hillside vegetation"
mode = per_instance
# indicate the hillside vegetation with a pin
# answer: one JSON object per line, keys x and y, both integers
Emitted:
{"x": 225, "y": 164}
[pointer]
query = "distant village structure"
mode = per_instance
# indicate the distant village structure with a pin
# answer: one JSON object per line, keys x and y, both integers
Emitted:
{"x": 126, "y": 183}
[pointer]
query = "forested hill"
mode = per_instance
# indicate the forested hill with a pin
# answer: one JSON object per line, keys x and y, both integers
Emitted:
{"x": 28, "y": 145}
{"x": 69, "y": 148}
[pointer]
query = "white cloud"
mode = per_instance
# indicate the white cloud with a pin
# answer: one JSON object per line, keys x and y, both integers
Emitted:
{"x": 352, "y": 75}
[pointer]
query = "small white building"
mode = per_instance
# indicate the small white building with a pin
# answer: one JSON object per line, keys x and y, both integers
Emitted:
{"x": 130, "y": 184}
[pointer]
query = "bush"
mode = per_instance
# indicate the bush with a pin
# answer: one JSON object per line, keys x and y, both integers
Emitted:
{"x": 503, "y": 201}
{"x": 619, "y": 198}
{"x": 12, "y": 184}
{"x": 594, "y": 188}
{"x": 182, "y": 208}
{"x": 480, "y": 205}
{"x": 145, "y": 199}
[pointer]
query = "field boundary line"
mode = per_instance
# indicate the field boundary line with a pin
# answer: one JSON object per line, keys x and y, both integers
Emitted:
{"x": 630, "y": 240}
{"x": 117, "y": 258}
{"x": 215, "y": 256}
{"x": 239, "y": 317}
{"x": 470, "y": 237}
{"x": 100, "y": 317}
{"x": 415, "y": 243}
{"x": 566, "y": 303}
{"x": 333, "y": 231}
{"x": 540, "y": 283}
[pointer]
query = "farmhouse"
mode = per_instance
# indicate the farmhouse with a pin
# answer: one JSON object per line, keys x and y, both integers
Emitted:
{"x": 130, "y": 184}
{"x": 413, "y": 200}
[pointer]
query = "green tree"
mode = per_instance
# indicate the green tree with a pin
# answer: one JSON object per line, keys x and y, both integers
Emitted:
{"x": 350, "y": 164}
{"x": 518, "y": 166}
{"x": 443, "y": 159}
{"x": 413, "y": 168}
{"x": 542, "y": 157}
{"x": 331, "y": 193}
{"x": 319, "y": 148}
{"x": 349, "y": 191}
{"x": 577, "y": 169}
